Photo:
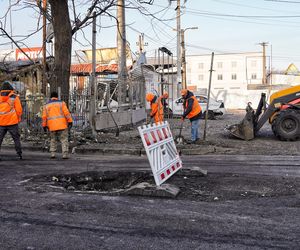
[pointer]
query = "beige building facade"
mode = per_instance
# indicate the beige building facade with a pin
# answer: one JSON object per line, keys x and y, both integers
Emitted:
{"x": 232, "y": 77}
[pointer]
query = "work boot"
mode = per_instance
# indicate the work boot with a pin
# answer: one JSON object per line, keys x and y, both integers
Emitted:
{"x": 190, "y": 142}
{"x": 20, "y": 156}
{"x": 65, "y": 156}
{"x": 52, "y": 155}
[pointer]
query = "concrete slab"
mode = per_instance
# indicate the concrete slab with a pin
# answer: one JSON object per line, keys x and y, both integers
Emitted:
{"x": 105, "y": 121}
{"x": 147, "y": 189}
{"x": 193, "y": 171}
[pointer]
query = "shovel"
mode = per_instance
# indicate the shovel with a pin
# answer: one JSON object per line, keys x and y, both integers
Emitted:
{"x": 179, "y": 138}
{"x": 45, "y": 144}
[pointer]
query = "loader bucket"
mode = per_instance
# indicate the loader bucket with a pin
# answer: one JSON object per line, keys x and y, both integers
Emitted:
{"x": 245, "y": 129}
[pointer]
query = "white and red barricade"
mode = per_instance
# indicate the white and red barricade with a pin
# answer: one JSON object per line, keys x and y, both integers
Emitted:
{"x": 161, "y": 150}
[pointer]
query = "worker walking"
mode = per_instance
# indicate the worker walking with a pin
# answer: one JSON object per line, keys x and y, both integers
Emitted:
{"x": 192, "y": 110}
{"x": 157, "y": 108}
{"x": 10, "y": 115}
{"x": 57, "y": 119}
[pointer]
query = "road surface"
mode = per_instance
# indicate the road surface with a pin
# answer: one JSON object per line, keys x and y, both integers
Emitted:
{"x": 32, "y": 217}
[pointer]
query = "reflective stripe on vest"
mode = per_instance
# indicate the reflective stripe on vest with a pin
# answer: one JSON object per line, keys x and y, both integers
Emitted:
{"x": 55, "y": 117}
{"x": 11, "y": 103}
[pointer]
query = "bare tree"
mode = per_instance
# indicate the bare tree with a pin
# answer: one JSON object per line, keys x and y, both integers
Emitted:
{"x": 65, "y": 26}
{"x": 63, "y": 45}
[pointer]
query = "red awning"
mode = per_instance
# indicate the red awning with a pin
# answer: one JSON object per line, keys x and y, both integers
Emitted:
{"x": 87, "y": 68}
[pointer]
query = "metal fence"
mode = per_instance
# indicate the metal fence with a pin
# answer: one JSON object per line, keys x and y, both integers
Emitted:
{"x": 79, "y": 102}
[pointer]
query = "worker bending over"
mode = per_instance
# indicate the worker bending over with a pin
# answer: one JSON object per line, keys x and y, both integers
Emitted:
{"x": 157, "y": 108}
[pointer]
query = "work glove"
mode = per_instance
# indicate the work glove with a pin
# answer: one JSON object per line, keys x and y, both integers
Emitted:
{"x": 45, "y": 129}
{"x": 70, "y": 125}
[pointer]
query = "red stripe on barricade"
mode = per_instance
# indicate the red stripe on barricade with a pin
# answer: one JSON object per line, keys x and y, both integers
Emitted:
{"x": 169, "y": 131}
{"x": 165, "y": 133}
{"x": 162, "y": 176}
{"x": 168, "y": 172}
{"x": 173, "y": 168}
{"x": 178, "y": 164}
{"x": 153, "y": 136}
{"x": 147, "y": 139}
{"x": 159, "y": 135}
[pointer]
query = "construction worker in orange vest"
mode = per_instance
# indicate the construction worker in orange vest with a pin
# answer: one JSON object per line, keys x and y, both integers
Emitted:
{"x": 193, "y": 111}
{"x": 157, "y": 108}
{"x": 10, "y": 115}
{"x": 57, "y": 119}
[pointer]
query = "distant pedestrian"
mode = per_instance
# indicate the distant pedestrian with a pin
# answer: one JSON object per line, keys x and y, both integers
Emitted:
{"x": 57, "y": 119}
{"x": 193, "y": 111}
{"x": 10, "y": 115}
{"x": 157, "y": 108}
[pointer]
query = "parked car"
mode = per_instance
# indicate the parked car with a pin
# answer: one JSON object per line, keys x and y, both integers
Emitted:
{"x": 216, "y": 108}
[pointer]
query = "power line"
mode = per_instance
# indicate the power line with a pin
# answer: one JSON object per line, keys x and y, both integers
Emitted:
{"x": 252, "y": 7}
{"x": 241, "y": 21}
{"x": 241, "y": 16}
{"x": 282, "y": 1}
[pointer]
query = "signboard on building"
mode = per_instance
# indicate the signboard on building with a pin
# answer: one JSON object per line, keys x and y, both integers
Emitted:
{"x": 108, "y": 55}
{"x": 34, "y": 53}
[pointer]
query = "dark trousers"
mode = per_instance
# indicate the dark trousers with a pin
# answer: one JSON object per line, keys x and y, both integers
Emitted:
{"x": 14, "y": 131}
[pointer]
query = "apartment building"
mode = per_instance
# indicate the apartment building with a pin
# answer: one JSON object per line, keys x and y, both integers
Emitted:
{"x": 232, "y": 78}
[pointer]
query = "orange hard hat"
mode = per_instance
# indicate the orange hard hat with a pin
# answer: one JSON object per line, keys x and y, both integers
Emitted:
{"x": 149, "y": 97}
{"x": 165, "y": 95}
{"x": 184, "y": 92}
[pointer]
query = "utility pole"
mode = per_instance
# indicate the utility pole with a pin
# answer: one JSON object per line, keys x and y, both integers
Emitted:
{"x": 208, "y": 94}
{"x": 179, "y": 87}
{"x": 141, "y": 43}
{"x": 44, "y": 78}
{"x": 10, "y": 24}
{"x": 271, "y": 66}
{"x": 121, "y": 42}
{"x": 183, "y": 60}
{"x": 93, "y": 82}
{"x": 264, "y": 78}
{"x": 183, "y": 57}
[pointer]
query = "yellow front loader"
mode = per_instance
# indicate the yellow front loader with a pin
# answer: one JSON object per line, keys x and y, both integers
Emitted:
{"x": 283, "y": 113}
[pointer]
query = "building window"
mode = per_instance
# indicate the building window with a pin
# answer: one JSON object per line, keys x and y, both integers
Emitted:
{"x": 253, "y": 76}
{"x": 233, "y": 64}
{"x": 233, "y": 77}
{"x": 220, "y": 65}
{"x": 200, "y": 77}
{"x": 253, "y": 63}
{"x": 200, "y": 65}
{"x": 220, "y": 77}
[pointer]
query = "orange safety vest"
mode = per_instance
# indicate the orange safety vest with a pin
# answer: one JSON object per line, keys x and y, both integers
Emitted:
{"x": 157, "y": 110}
{"x": 196, "y": 109}
{"x": 56, "y": 115}
{"x": 10, "y": 108}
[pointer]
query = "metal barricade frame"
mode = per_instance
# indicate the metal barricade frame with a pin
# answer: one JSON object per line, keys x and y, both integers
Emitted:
{"x": 161, "y": 150}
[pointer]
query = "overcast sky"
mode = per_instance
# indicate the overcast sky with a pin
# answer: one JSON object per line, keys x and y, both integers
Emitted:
{"x": 224, "y": 26}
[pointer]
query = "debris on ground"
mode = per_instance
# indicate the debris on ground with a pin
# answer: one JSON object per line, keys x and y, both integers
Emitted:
{"x": 218, "y": 140}
{"x": 211, "y": 188}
